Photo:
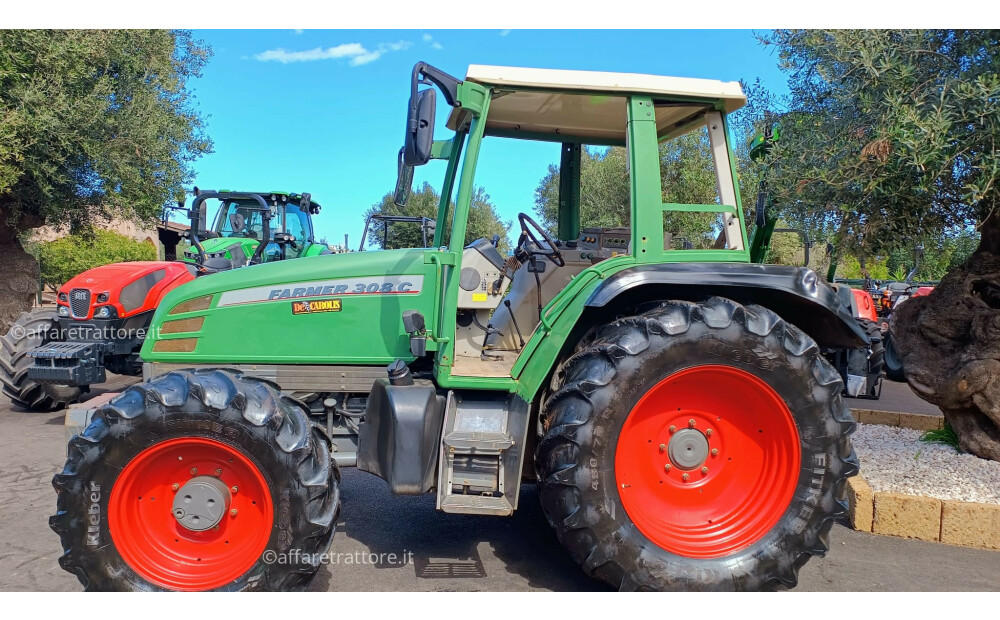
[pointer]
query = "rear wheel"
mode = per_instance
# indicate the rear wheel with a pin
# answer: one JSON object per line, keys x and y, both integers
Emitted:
{"x": 32, "y": 329}
{"x": 204, "y": 480}
{"x": 695, "y": 447}
{"x": 893, "y": 364}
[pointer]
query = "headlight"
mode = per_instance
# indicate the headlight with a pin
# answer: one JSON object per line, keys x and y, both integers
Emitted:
{"x": 104, "y": 312}
{"x": 63, "y": 310}
{"x": 63, "y": 297}
{"x": 103, "y": 297}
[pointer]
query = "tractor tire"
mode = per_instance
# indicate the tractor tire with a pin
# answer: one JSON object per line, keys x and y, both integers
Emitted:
{"x": 143, "y": 458}
{"x": 695, "y": 446}
{"x": 32, "y": 329}
{"x": 869, "y": 362}
{"x": 893, "y": 365}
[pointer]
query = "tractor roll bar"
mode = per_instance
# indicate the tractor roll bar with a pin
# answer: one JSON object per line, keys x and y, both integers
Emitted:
{"x": 196, "y": 218}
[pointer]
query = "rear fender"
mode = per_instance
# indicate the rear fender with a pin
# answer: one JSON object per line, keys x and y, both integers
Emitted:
{"x": 796, "y": 294}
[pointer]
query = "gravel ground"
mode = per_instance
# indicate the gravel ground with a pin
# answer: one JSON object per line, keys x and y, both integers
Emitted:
{"x": 895, "y": 460}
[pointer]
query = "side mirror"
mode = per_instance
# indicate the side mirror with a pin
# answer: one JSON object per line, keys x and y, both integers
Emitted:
{"x": 760, "y": 208}
{"x": 306, "y": 203}
{"x": 199, "y": 219}
{"x": 420, "y": 128}
{"x": 404, "y": 182}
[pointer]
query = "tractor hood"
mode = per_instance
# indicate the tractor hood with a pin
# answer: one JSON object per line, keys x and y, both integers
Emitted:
{"x": 129, "y": 288}
{"x": 330, "y": 309}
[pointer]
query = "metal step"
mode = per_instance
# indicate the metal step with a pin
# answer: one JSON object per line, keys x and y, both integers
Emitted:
{"x": 479, "y": 468}
{"x": 477, "y": 504}
{"x": 473, "y": 442}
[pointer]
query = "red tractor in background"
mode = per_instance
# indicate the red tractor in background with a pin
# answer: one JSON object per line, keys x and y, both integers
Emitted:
{"x": 50, "y": 356}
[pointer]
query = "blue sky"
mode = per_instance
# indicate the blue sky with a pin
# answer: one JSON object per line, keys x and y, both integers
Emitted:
{"x": 323, "y": 111}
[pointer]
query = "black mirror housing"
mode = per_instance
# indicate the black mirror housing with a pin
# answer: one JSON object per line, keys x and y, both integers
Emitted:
{"x": 420, "y": 128}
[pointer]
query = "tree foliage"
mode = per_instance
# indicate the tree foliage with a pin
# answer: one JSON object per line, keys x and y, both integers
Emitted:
{"x": 95, "y": 123}
{"x": 68, "y": 256}
{"x": 889, "y": 136}
{"x": 483, "y": 222}
{"x": 890, "y": 139}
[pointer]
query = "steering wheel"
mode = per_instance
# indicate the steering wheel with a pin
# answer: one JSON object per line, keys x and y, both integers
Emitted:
{"x": 529, "y": 225}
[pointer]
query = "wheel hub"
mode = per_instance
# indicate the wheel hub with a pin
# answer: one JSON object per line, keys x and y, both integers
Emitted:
{"x": 201, "y": 503}
{"x": 688, "y": 449}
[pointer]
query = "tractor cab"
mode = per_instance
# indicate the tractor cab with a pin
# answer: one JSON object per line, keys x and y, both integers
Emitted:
{"x": 497, "y": 302}
{"x": 243, "y": 221}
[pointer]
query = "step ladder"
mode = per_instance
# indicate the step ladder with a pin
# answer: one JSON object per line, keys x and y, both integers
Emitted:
{"x": 482, "y": 446}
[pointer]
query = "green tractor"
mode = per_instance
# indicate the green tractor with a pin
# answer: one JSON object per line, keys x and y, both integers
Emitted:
{"x": 673, "y": 405}
{"x": 51, "y": 356}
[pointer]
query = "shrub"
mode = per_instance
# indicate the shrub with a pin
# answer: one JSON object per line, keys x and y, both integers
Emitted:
{"x": 69, "y": 256}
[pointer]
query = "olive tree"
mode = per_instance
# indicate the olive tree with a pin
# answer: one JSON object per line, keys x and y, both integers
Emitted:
{"x": 890, "y": 136}
{"x": 93, "y": 125}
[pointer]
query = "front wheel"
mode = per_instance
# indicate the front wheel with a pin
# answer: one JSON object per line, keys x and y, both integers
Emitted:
{"x": 32, "y": 329}
{"x": 695, "y": 447}
{"x": 204, "y": 480}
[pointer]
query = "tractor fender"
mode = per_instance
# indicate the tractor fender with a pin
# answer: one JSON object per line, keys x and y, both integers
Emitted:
{"x": 796, "y": 294}
{"x": 865, "y": 305}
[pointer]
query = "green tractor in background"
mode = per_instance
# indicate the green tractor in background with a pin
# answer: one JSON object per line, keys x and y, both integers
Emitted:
{"x": 51, "y": 356}
{"x": 242, "y": 221}
{"x": 674, "y": 406}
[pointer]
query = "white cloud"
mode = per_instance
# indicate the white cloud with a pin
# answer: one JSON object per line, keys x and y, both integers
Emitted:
{"x": 437, "y": 46}
{"x": 427, "y": 38}
{"x": 357, "y": 53}
{"x": 504, "y": 33}
{"x": 298, "y": 31}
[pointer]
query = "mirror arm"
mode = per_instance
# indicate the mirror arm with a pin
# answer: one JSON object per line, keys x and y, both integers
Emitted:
{"x": 447, "y": 84}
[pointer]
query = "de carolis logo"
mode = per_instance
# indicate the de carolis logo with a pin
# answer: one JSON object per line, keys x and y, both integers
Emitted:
{"x": 315, "y": 305}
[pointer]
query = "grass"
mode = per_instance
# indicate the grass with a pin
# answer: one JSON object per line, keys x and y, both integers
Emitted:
{"x": 944, "y": 436}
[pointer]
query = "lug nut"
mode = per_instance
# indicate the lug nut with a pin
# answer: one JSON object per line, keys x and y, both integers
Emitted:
{"x": 663, "y": 447}
{"x": 218, "y": 472}
{"x": 175, "y": 486}
{"x": 685, "y": 477}
{"x": 235, "y": 490}
{"x": 232, "y": 513}
{"x": 704, "y": 470}
{"x": 666, "y": 467}
{"x": 708, "y": 432}
{"x": 691, "y": 422}
{"x": 715, "y": 452}
{"x": 194, "y": 471}
{"x": 673, "y": 429}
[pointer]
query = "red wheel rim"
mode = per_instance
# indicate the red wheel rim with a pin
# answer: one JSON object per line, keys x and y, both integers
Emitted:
{"x": 752, "y": 459}
{"x": 156, "y": 546}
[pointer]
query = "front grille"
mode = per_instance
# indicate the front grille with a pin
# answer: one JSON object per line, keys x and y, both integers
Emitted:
{"x": 79, "y": 302}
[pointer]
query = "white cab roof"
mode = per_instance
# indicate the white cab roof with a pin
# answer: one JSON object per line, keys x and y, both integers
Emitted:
{"x": 592, "y": 104}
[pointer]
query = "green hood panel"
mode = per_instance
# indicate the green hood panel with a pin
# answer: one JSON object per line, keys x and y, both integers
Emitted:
{"x": 222, "y": 244}
{"x": 267, "y": 313}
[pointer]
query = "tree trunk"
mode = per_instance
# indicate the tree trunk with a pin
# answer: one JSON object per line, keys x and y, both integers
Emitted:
{"x": 18, "y": 279}
{"x": 949, "y": 342}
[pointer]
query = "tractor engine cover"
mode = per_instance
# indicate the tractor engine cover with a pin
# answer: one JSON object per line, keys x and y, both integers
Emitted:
{"x": 401, "y": 434}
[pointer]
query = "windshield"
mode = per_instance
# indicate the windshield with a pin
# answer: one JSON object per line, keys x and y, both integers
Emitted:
{"x": 241, "y": 218}
{"x": 297, "y": 222}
